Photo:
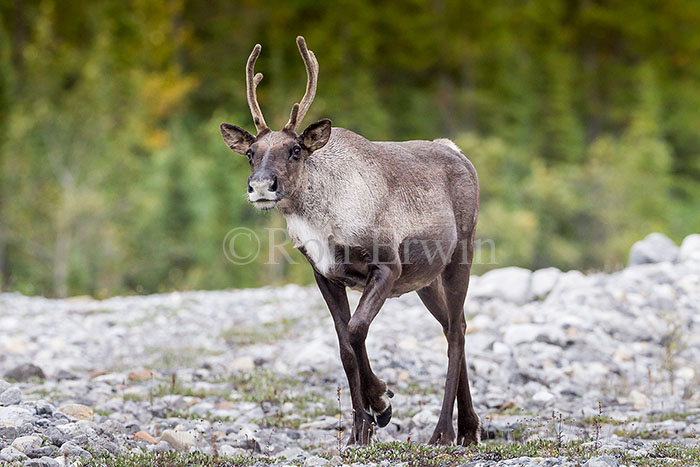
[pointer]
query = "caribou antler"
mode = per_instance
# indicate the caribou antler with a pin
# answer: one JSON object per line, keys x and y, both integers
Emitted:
{"x": 252, "y": 82}
{"x": 311, "y": 64}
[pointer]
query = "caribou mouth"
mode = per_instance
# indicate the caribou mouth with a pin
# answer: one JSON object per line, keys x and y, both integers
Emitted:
{"x": 264, "y": 204}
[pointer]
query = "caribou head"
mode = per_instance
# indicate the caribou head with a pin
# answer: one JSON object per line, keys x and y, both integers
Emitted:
{"x": 276, "y": 157}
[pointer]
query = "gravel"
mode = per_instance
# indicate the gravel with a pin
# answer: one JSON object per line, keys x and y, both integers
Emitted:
{"x": 613, "y": 357}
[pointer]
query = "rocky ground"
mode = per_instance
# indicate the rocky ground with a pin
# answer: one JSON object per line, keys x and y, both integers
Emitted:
{"x": 565, "y": 369}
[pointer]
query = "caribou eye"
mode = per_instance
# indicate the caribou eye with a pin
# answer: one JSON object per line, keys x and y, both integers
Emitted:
{"x": 296, "y": 150}
{"x": 249, "y": 153}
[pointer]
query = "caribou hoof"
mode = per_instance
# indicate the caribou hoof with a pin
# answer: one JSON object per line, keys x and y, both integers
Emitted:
{"x": 370, "y": 418}
{"x": 382, "y": 419}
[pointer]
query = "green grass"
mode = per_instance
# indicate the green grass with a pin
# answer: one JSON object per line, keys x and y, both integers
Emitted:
{"x": 172, "y": 459}
{"x": 602, "y": 420}
{"x": 258, "y": 386}
{"x": 424, "y": 455}
{"x": 660, "y": 454}
{"x": 679, "y": 416}
{"x": 643, "y": 433}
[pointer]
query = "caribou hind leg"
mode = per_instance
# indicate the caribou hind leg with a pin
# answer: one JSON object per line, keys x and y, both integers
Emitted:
{"x": 468, "y": 423}
{"x": 445, "y": 300}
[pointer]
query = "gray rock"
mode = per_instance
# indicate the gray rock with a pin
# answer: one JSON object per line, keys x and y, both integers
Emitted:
{"x": 41, "y": 462}
{"x": 655, "y": 248}
{"x": 56, "y": 436}
{"x": 11, "y": 454}
{"x": 510, "y": 284}
{"x": 11, "y": 396}
{"x": 73, "y": 450}
{"x": 8, "y": 432}
{"x": 4, "y": 385}
{"x": 162, "y": 446}
{"x": 25, "y": 372}
{"x": 62, "y": 375}
{"x": 690, "y": 248}
{"x": 16, "y": 415}
{"x": 25, "y": 443}
{"x": 528, "y": 333}
{"x": 43, "y": 451}
{"x": 44, "y": 408}
{"x": 292, "y": 453}
{"x": 602, "y": 461}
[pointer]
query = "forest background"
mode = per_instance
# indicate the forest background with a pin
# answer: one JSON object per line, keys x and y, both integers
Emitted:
{"x": 581, "y": 116}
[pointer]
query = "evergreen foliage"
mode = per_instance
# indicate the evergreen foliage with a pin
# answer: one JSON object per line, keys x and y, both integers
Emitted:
{"x": 581, "y": 117}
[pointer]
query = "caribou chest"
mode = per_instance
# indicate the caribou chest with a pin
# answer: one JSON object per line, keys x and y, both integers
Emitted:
{"x": 316, "y": 241}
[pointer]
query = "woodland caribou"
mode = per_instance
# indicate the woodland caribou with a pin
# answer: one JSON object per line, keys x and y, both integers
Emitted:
{"x": 385, "y": 218}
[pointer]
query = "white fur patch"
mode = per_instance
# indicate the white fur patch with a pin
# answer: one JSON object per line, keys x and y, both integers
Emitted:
{"x": 314, "y": 240}
{"x": 449, "y": 143}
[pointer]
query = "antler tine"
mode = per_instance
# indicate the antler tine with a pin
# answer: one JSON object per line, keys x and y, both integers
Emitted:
{"x": 311, "y": 65}
{"x": 252, "y": 84}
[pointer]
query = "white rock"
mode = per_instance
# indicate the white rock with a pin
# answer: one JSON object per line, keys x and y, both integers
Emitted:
{"x": 542, "y": 396}
{"x": 315, "y": 461}
{"x": 543, "y": 282}
{"x": 424, "y": 417}
{"x": 569, "y": 285}
{"x": 510, "y": 284}
{"x": 11, "y": 396}
{"x": 686, "y": 373}
{"x": 16, "y": 415}
{"x": 242, "y": 364}
{"x": 315, "y": 354}
{"x": 528, "y": 333}
{"x": 655, "y": 248}
{"x": 23, "y": 443}
{"x": 602, "y": 461}
{"x": 291, "y": 453}
{"x": 499, "y": 348}
{"x": 179, "y": 440}
{"x": 639, "y": 400}
{"x": 690, "y": 248}
{"x": 230, "y": 451}
{"x": 174, "y": 401}
{"x": 322, "y": 423}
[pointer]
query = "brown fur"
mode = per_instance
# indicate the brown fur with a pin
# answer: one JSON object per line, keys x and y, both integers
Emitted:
{"x": 385, "y": 218}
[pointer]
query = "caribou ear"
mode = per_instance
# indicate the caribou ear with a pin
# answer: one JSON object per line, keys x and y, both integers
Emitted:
{"x": 316, "y": 135}
{"x": 236, "y": 138}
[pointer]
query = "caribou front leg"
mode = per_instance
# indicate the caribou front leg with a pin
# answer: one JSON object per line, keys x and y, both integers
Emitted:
{"x": 337, "y": 300}
{"x": 380, "y": 280}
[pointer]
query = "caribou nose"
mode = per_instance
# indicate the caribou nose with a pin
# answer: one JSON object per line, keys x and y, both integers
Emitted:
{"x": 263, "y": 184}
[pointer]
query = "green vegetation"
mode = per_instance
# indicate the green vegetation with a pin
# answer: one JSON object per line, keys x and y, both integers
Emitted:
{"x": 422, "y": 455}
{"x": 172, "y": 459}
{"x": 581, "y": 118}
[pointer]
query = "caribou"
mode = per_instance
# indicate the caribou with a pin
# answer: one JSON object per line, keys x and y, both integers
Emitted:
{"x": 384, "y": 218}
